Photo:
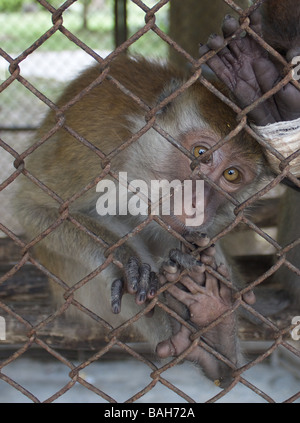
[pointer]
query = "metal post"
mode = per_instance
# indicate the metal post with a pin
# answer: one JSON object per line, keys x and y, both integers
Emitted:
{"x": 120, "y": 22}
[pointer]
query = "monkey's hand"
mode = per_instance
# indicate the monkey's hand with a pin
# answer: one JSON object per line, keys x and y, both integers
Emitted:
{"x": 138, "y": 280}
{"x": 206, "y": 298}
{"x": 246, "y": 69}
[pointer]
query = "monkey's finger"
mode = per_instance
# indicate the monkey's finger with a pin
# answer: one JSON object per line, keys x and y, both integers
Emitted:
{"x": 216, "y": 42}
{"x": 171, "y": 277}
{"x": 132, "y": 274}
{"x": 170, "y": 267}
{"x": 165, "y": 349}
{"x": 267, "y": 73}
{"x": 208, "y": 260}
{"x": 174, "y": 345}
{"x": 171, "y": 271}
{"x": 256, "y": 22}
{"x": 143, "y": 283}
{"x": 225, "y": 291}
{"x": 117, "y": 290}
{"x": 197, "y": 273}
{"x": 215, "y": 62}
{"x": 288, "y": 102}
{"x": 161, "y": 279}
{"x": 153, "y": 286}
{"x": 192, "y": 286}
{"x": 203, "y": 49}
{"x": 210, "y": 251}
{"x": 185, "y": 297}
{"x": 229, "y": 26}
{"x": 249, "y": 297}
{"x": 152, "y": 291}
{"x": 221, "y": 69}
{"x": 267, "y": 76}
{"x": 223, "y": 270}
{"x": 199, "y": 239}
{"x": 211, "y": 285}
{"x": 185, "y": 260}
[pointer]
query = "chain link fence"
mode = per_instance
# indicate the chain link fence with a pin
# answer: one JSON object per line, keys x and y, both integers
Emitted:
{"x": 30, "y": 321}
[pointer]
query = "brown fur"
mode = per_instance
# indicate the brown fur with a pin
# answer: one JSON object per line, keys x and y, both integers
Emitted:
{"x": 281, "y": 27}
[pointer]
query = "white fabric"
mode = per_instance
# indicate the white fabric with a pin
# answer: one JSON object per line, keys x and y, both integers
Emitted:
{"x": 285, "y": 138}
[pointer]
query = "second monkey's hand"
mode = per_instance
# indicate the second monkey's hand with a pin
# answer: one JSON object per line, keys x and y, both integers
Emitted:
{"x": 247, "y": 70}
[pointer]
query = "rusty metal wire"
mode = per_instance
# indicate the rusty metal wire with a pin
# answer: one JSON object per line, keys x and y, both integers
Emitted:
{"x": 114, "y": 336}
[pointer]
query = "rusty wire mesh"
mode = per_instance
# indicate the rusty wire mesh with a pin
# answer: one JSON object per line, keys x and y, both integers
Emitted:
{"x": 114, "y": 336}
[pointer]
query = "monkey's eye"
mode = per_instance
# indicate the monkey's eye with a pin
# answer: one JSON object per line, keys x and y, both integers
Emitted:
{"x": 199, "y": 150}
{"x": 232, "y": 175}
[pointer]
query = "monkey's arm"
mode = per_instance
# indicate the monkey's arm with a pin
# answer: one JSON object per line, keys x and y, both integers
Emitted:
{"x": 67, "y": 240}
{"x": 245, "y": 68}
{"x": 200, "y": 298}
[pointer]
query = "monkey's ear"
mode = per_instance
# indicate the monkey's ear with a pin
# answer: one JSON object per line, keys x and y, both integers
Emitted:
{"x": 169, "y": 89}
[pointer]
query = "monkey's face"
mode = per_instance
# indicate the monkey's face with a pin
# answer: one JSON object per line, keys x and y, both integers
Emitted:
{"x": 223, "y": 171}
{"x": 184, "y": 148}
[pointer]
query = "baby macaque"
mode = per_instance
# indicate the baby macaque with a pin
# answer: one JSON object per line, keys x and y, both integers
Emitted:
{"x": 91, "y": 144}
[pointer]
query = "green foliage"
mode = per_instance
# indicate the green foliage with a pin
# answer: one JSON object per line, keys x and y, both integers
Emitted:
{"x": 11, "y": 5}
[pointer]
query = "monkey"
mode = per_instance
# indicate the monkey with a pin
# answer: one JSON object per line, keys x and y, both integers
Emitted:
{"x": 65, "y": 166}
{"x": 106, "y": 134}
{"x": 279, "y": 24}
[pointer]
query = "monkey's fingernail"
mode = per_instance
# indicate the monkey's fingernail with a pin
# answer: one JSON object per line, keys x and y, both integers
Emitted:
{"x": 170, "y": 266}
{"x": 142, "y": 297}
{"x": 212, "y": 36}
{"x": 116, "y": 308}
{"x": 228, "y": 16}
{"x": 152, "y": 292}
